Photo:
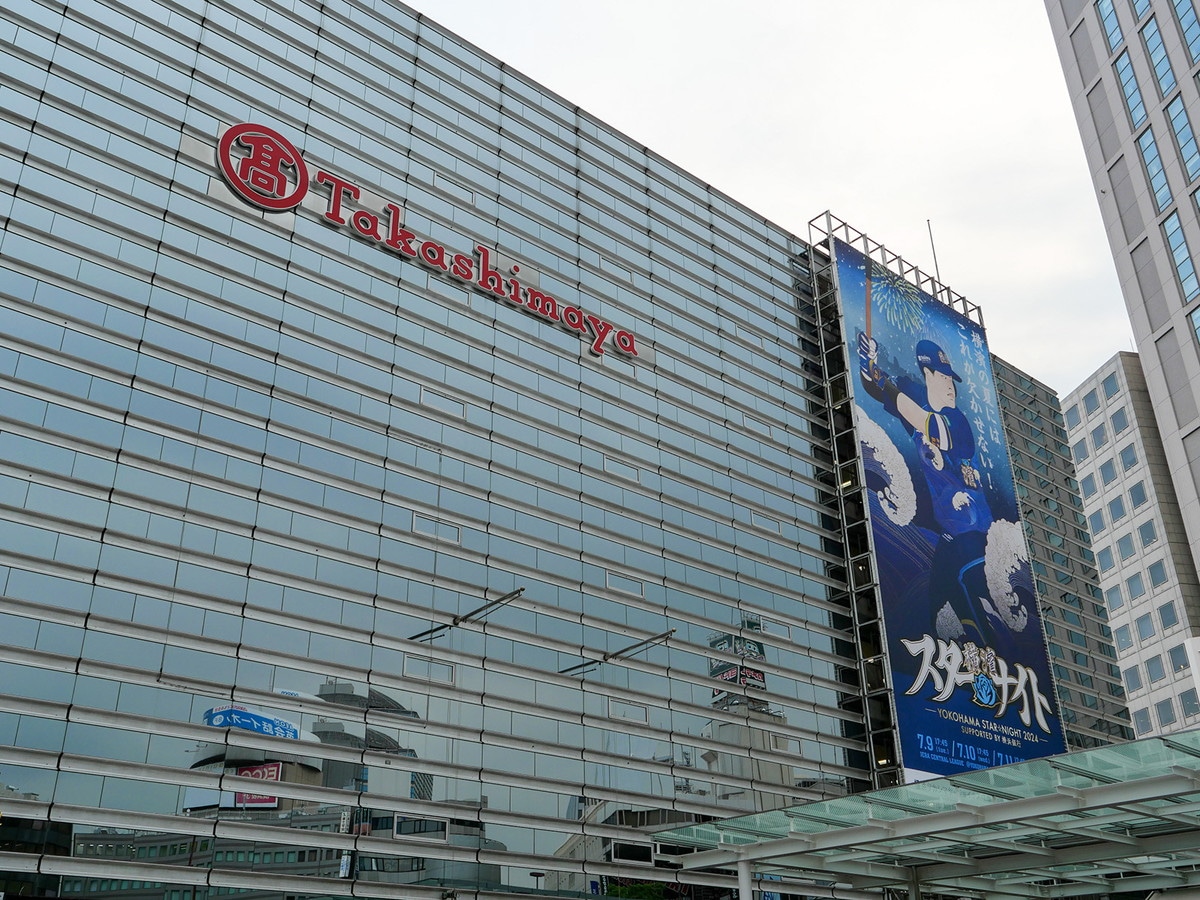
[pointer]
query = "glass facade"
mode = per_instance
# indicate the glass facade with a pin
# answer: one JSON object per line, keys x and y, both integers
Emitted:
{"x": 1082, "y": 654}
{"x": 406, "y": 481}
{"x": 480, "y": 605}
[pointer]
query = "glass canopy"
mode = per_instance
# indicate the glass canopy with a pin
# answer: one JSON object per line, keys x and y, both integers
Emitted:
{"x": 1093, "y": 823}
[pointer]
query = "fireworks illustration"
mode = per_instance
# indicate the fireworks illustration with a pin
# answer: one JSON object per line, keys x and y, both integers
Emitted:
{"x": 895, "y": 298}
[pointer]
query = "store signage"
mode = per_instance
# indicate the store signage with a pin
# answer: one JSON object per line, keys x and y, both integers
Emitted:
{"x": 266, "y": 170}
{"x": 236, "y": 716}
{"x": 272, "y": 771}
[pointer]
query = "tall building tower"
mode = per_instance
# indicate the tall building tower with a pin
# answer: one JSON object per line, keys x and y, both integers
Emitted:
{"x": 1077, "y": 628}
{"x": 410, "y": 485}
{"x": 1130, "y": 67}
{"x": 1146, "y": 568}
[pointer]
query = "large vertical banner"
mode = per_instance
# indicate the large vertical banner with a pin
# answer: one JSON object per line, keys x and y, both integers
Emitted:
{"x": 965, "y": 642}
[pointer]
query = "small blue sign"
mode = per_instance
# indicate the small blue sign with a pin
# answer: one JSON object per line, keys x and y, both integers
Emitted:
{"x": 240, "y": 717}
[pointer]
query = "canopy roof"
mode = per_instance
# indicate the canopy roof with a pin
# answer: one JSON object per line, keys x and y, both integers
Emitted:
{"x": 1089, "y": 823}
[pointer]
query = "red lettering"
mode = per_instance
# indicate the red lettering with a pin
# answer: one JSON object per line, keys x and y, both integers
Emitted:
{"x": 489, "y": 278}
{"x": 434, "y": 254}
{"x": 398, "y": 238}
{"x": 514, "y": 291}
{"x": 366, "y": 224}
{"x": 600, "y": 329}
{"x": 339, "y": 186}
{"x": 625, "y": 343}
{"x": 542, "y": 304}
{"x": 462, "y": 266}
{"x": 401, "y": 239}
{"x": 573, "y": 318}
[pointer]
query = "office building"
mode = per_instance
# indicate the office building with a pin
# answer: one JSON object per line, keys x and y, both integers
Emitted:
{"x": 1130, "y": 67}
{"x": 409, "y": 485}
{"x": 1077, "y": 624}
{"x": 1146, "y": 569}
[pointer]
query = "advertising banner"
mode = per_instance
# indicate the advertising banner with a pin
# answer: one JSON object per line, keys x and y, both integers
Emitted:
{"x": 965, "y": 642}
{"x": 271, "y": 771}
{"x": 734, "y": 673}
{"x": 236, "y": 716}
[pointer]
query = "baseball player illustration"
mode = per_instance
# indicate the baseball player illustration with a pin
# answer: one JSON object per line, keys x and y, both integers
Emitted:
{"x": 957, "y": 511}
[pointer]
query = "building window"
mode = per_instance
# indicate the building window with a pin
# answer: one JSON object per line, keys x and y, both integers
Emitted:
{"x": 1091, "y": 402}
{"x": 1110, "y": 385}
{"x": 434, "y": 400}
{"x": 1133, "y": 679}
{"x": 1104, "y": 559}
{"x": 1173, "y": 233}
{"x": 1155, "y": 670}
{"x": 1120, "y": 421}
{"x": 1088, "y": 485}
{"x": 1072, "y": 416}
{"x": 1158, "y": 573}
{"x": 1179, "y": 658}
{"x": 1145, "y": 627}
{"x": 1189, "y": 152}
{"x": 624, "y": 709}
{"x": 1190, "y": 703}
{"x": 1108, "y": 472}
{"x": 1140, "y": 8}
{"x": 1125, "y": 546}
{"x": 1114, "y": 598}
{"x": 758, "y": 520}
{"x": 1137, "y": 494}
{"x": 616, "y": 467}
{"x": 1096, "y": 522}
{"x": 1124, "y": 637}
{"x": 1167, "y": 616}
{"x": 1185, "y": 11}
{"x": 1108, "y": 21}
{"x": 1116, "y": 509}
{"x": 1134, "y": 586}
{"x": 625, "y": 584}
{"x": 1141, "y": 721}
{"x": 1165, "y": 710}
{"x": 1080, "y": 450}
{"x": 1099, "y": 436}
{"x": 1129, "y": 457}
{"x": 1155, "y": 173}
{"x": 1148, "y": 533}
{"x": 1129, "y": 87}
{"x": 1157, "y": 53}
{"x": 443, "y": 531}
{"x": 426, "y": 669}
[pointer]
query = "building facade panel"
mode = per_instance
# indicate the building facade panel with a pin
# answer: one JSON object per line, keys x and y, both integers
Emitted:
{"x": 1145, "y": 568}
{"x": 405, "y": 479}
{"x": 1155, "y": 264}
{"x": 1082, "y": 656}
{"x": 463, "y": 577}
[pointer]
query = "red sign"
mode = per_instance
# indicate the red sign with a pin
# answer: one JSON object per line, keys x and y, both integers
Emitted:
{"x": 261, "y": 176}
{"x": 268, "y": 171}
{"x": 265, "y": 772}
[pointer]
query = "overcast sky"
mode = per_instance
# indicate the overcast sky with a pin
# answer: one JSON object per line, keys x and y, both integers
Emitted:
{"x": 885, "y": 113}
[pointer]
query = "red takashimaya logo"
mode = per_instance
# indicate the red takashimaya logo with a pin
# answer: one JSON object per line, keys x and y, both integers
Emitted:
{"x": 266, "y": 170}
{"x": 260, "y": 176}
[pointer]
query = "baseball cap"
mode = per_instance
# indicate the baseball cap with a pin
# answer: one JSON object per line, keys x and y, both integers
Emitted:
{"x": 931, "y": 356}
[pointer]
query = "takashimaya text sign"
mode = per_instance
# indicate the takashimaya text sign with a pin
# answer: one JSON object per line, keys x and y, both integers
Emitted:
{"x": 266, "y": 170}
